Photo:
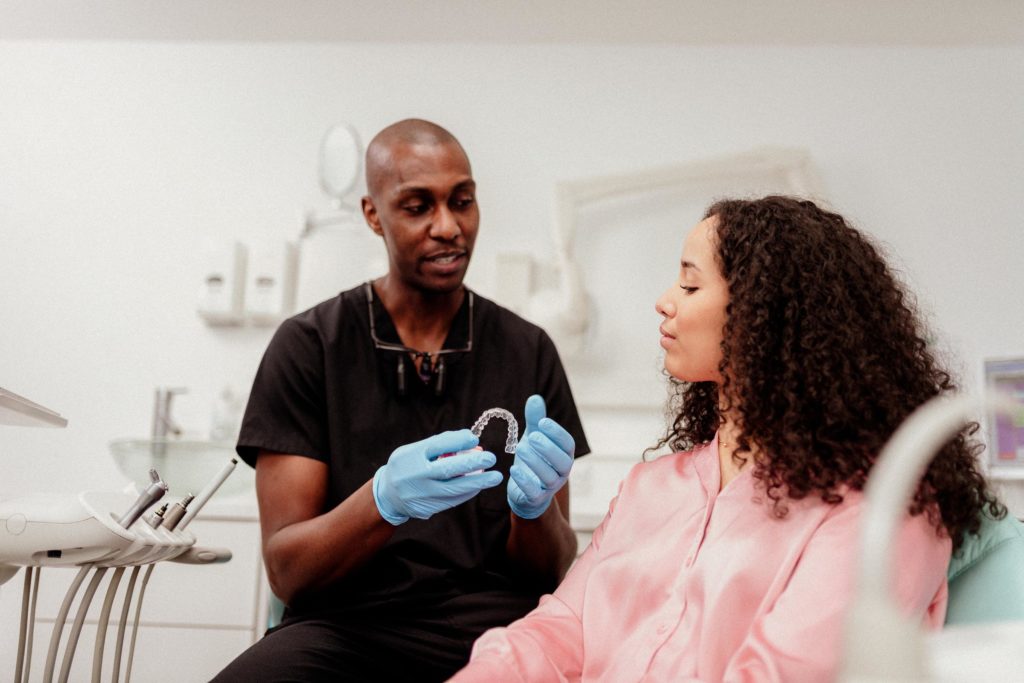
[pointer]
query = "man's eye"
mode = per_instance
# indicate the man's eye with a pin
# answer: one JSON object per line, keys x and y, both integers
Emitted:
{"x": 415, "y": 209}
{"x": 465, "y": 202}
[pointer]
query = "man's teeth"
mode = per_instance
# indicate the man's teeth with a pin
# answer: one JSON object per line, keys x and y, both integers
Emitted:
{"x": 444, "y": 259}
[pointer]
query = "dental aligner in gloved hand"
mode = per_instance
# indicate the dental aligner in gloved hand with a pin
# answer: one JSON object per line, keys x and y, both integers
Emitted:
{"x": 511, "y": 441}
{"x": 513, "y": 426}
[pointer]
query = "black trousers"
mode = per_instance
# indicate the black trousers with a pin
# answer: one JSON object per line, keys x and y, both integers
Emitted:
{"x": 307, "y": 650}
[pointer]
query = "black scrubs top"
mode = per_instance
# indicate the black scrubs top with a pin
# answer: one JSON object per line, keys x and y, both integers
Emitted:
{"x": 324, "y": 391}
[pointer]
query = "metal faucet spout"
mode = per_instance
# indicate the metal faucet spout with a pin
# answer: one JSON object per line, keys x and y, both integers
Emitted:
{"x": 163, "y": 424}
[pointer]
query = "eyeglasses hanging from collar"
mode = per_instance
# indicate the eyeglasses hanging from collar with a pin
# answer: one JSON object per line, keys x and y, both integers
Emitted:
{"x": 431, "y": 363}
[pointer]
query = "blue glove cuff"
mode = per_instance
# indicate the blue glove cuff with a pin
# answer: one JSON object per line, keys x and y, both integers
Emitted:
{"x": 528, "y": 512}
{"x": 391, "y": 516}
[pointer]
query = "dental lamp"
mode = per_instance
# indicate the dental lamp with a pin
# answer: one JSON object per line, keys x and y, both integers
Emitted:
{"x": 565, "y": 310}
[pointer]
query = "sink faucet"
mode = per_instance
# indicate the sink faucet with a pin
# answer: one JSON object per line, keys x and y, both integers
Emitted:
{"x": 162, "y": 422}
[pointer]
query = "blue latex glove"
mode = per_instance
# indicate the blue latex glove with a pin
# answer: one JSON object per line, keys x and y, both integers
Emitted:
{"x": 416, "y": 483}
{"x": 542, "y": 464}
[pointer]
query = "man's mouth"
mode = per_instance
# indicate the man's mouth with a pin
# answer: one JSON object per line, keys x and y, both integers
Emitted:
{"x": 446, "y": 257}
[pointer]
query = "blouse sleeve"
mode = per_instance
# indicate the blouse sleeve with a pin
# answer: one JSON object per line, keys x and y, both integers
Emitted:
{"x": 812, "y": 606}
{"x": 546, "y": 644}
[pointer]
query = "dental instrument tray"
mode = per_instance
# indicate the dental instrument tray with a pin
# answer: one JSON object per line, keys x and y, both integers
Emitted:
{"x": 47, "y": 530}
{"x": 95, "y": 532}
{"x": 89, "y": 531}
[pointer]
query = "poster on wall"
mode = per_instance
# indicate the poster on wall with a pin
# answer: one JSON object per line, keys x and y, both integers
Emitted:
{"x": 1006, "y": 432}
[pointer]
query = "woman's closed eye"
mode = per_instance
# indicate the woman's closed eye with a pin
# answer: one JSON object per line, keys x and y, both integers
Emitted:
{"x": 688, "y": 290}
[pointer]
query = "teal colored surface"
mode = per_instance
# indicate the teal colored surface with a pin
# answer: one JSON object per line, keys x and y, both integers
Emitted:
{"x": 986, "y": 576}
{"x": 275, "y": 612}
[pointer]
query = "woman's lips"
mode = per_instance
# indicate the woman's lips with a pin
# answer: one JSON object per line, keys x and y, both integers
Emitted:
{"x": 666, "y": 338}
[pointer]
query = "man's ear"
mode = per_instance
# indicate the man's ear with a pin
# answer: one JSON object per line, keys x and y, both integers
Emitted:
{"x": 370, "y": 214}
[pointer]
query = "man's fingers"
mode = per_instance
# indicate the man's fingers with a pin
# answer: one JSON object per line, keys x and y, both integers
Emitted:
{"x": 468, "y": 486}
{"x": 535, "y": 412}
{"x": 533, "y": 456}
{"x": 558, "y": 434}
{"x": 449, "y": 442}
{"x": 527, "y": 481}
{"x": 462, "y": 463}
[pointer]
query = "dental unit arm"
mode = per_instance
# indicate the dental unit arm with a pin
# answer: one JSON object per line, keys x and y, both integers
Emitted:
{"x": 94, "y": 531}
{"x": 881, "y": 644}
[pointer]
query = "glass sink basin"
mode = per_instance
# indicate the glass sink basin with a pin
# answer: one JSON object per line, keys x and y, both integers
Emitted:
{"x": 186, "y": 466}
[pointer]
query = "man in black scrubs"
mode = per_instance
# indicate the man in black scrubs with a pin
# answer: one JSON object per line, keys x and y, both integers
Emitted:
{"x": 389, "y": 562}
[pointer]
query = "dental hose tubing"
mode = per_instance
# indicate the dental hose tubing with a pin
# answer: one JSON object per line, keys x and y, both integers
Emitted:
{"x": 62, "y": 617}
{"x": 76, "y": 628}
{"x": 124, "y": 620}
{"x": 101, "y": 627}
{"x": 28, "y": 619}
{"x": 135, "y": 624}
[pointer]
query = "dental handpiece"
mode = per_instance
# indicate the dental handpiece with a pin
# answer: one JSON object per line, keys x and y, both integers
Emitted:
{"x": 154, "y": 492}
{"x": 177, "y": 511}
{"x": 157, "y": 518}
{"x": 208, "y": 492}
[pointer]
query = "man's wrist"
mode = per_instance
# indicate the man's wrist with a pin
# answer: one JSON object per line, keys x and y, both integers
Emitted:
{"x": 530, "y": 512}
{"x": 380, "y": 501}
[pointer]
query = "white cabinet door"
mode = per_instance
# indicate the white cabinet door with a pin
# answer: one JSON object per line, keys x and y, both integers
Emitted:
{"x": 215, "y": 594}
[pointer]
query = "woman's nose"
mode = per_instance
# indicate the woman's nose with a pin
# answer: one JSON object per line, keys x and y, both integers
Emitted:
{"x": 664, "y": 305}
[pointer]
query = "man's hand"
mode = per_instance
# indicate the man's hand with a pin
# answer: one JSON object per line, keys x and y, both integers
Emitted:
{"x": 416, "y": 483}
{"x": 543, "y": 460}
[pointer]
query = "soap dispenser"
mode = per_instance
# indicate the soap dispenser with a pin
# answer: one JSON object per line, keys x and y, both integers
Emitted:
{"x": 222, "y": 296}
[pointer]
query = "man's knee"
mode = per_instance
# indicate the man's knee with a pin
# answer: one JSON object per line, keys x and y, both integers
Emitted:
{"x": 303, "y": 651}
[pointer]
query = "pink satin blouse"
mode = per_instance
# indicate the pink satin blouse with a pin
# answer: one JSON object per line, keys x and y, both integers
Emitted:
{"x": 685, "y": 583}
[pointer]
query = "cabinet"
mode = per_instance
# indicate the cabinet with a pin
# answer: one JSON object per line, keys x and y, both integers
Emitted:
{"x": 195, "y": 618}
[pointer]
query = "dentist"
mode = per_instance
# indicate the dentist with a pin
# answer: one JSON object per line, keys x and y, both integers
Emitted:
{"x": 390, "y": 562}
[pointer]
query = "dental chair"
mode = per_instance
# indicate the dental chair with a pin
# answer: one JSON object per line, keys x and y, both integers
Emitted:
{"x": 986, "y": 575}
{"x": 984, "y": 630}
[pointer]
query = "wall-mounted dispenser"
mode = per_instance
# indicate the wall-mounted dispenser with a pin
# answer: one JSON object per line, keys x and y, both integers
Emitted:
{"x": 222, "y": 294}
{"x": 273, "y": 272}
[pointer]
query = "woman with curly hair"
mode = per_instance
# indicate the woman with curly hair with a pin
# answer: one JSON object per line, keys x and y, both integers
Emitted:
{"x": 795, "y": 354}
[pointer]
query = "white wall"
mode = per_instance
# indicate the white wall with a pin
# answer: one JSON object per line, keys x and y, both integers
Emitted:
{"x": 118, "y": 161}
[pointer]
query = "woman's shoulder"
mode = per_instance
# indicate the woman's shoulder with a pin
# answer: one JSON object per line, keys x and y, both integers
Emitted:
{"x": 668, "y": 468}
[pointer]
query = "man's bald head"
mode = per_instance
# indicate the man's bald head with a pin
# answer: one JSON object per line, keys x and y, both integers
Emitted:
{"x": 407, "y": 133}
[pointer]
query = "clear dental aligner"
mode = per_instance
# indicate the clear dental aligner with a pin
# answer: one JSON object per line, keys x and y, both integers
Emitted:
{"x": 513, "y": 426}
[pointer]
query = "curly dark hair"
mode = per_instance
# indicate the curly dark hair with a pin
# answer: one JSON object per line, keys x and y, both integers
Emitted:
{"x": 825, "y": 350}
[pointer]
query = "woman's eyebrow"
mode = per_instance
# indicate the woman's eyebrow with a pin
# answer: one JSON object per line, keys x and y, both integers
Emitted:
{"x": 689, "y": 264}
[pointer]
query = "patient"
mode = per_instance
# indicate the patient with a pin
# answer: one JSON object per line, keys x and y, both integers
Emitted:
{"x": 795, "y": 354}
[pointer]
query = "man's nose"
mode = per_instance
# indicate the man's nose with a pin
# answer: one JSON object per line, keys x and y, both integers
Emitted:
{"x": 445, "y": 226}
